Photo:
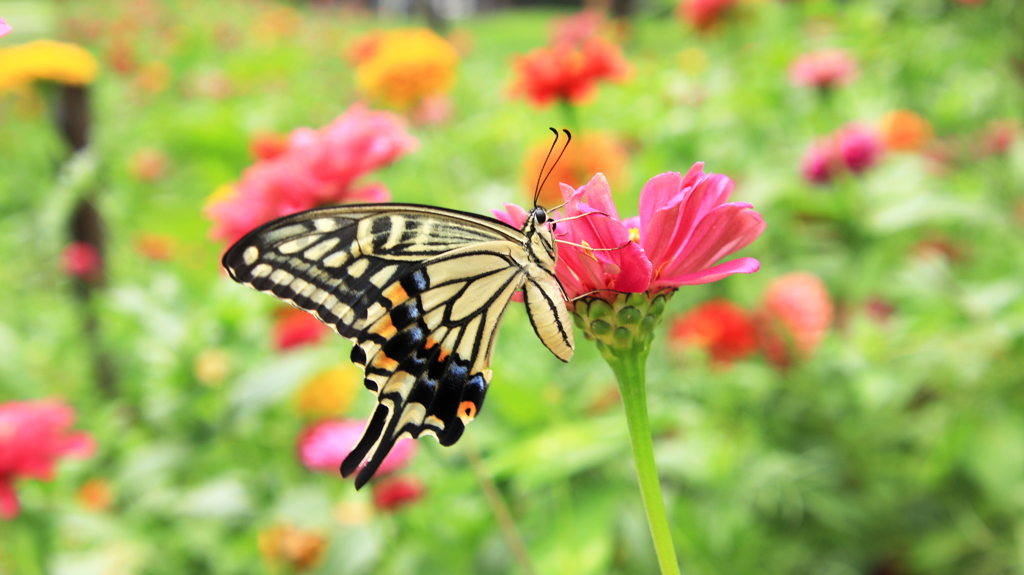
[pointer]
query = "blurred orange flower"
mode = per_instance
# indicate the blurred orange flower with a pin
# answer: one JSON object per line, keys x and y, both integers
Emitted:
{"x": 96, "y": 494}
{"x": 330, "y": 392}
{"x": 299, "y": 550}
{"x": 587, "y": 155}
{"x": 402, "y": 67}
{"x": 905, "y": 131}
{"x": 795, "y": 314}
{"x": 721, "y": 327}
{"x": 59, "y": 62}
{"x": 567, "y": 72}
{"x": 147, "y": 164}
{"x": 155, "y": 246}
{"x": 153, "y": 77}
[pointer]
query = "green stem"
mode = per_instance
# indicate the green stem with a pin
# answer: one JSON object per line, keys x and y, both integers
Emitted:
{"x": 629, "y": 368}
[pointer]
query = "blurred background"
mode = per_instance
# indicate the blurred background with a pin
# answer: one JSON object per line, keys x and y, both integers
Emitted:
{"x": 856, "y": 406}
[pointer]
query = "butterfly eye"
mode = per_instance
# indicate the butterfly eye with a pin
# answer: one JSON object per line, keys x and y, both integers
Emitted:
{"x": 542, "y": 216}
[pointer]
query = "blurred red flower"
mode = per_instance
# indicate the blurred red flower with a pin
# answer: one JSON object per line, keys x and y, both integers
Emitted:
{"x": 33, "y": 436}
{"x": 825, "y": 69}
{"x": 295, "y": 328}
{"x": 82, "y": 260}
{"x": 795, "y": 314}
{"x": 267, "y": 145}
{"x": 721, "y": 327}
{"x": 391, "y": 494}
{"x": 323, "y": 446}
{"x": 567, "y": 72}
{"x": 685, "y": 226}
{"x": 703, "y": 14}
{"x": 859, "y": 147}
{"x": 319, "y": 167}
{"x": 5, "y": 28}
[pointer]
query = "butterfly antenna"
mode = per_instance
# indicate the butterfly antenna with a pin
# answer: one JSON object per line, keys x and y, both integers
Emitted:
{"x": 569, "y": 139}
{"x": 536, "y": 190}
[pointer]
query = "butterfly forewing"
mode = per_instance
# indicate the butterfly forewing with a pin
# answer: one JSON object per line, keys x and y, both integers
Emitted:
{"x": 419, "y": 290}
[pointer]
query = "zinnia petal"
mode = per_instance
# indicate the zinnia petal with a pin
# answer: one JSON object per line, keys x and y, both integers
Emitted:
{"x": 712, "y": 274}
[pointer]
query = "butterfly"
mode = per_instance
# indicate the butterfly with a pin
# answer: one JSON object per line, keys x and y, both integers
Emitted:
{"x": 420, "y": 291}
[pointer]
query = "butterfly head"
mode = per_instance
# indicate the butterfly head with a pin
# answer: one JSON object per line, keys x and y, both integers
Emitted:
{"x": 539, "y": 230}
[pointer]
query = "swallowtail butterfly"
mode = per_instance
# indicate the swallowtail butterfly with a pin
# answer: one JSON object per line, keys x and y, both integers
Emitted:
{"x": 420, "y": 291}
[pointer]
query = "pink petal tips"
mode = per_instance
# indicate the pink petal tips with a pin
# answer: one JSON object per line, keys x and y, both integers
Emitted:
{"x": 686, "y": 225}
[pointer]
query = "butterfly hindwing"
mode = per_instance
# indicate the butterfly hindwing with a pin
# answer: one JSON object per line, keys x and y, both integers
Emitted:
{"x": 419, "y": 290}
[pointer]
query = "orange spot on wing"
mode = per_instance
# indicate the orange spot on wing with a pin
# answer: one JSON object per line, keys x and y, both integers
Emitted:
{"x": 385, "y": 328}
{"x": 396, "y": 294}
{"x": 430, "y": 343}
{"x": 467, "y": 411}
{"x": 384, "y": 362}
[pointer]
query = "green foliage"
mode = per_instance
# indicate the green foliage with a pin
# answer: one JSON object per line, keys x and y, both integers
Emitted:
{"x": 897, "y": 448}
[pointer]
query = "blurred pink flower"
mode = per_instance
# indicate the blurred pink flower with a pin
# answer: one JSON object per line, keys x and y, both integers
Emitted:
{"x": 999, "y": 136}
{"x": 318, "y": 167}
{"x": 432, "y": 110}
{"x": 391, "y": 494}
{"x": 824, "y": 69}
{"x": 33, "y": 436}
{"x": 859, "y": 147}
{"x": 685, "y": 226}
{"x": 577, "y": 28}
{"x": 5, "y": 28}
{"x": 81, "y": 259}
{"x": 795, "y": 314}
{"x": 323, "y": 446}
{"x": 821, "y": 162}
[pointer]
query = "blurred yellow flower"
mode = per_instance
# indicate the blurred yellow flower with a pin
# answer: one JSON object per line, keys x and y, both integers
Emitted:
{"x": 330, "y": 392}
{"x": 401, "y": 67}
{"x": 212, "y": 366}
{"x": 692, "y": 60}
{"x": 59, "y": 62}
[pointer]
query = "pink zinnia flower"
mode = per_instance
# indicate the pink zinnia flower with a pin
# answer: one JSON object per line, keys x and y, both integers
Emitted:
{"x": 323, "y": 446}
{"x": 821, "y": 162}
{"x": 81, "y": 259}
{"x": 33, "y": 436}
{"x": 5, "y": 28}
{"x": 859, "y": 147}
{"x": 685, "y": 226}
{"x": 391, "y": 494}
{"x": 825, "y": 69}
{"x": 318, "y": 167}
{"x": 795, "y": 314}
